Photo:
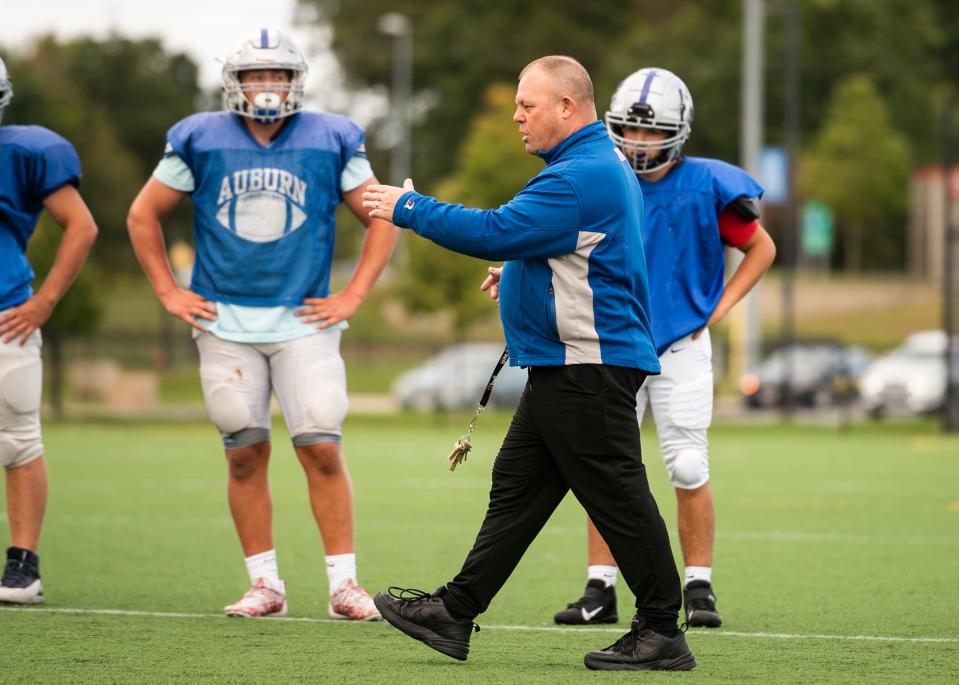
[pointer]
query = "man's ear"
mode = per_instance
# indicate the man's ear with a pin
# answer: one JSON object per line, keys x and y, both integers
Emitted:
{"x": 569, "y": 106}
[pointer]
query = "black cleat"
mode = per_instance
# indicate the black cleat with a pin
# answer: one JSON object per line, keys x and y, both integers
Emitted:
{"x": 641, "y": 649}
{"x": 424, "y": 617}
{"x": 597, "y": 605}
{"x": 21, "y": 578}
{"x": 701, "y": 605}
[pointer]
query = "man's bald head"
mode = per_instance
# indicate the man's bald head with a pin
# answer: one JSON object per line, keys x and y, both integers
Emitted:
{"x": 568, "y": 79}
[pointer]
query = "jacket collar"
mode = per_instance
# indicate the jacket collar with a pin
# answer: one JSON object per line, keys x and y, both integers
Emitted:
{"x": 589, "y": 133}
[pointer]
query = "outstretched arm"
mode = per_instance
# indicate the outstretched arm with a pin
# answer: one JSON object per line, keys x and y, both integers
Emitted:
{"x": 79, "y": 231}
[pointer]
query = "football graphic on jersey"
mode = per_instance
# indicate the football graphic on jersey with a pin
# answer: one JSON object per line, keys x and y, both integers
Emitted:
{"x": 261, "y": 204}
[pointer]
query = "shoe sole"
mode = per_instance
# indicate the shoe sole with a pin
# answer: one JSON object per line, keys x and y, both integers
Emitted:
{"x": 443, "y": 645}
{"x": 686, "y": 662}
{"x": 606, "y": 619}
{"x": 704, "y": 619}
{"x": 343, "y": 617}
{"x": 275, "y": 614}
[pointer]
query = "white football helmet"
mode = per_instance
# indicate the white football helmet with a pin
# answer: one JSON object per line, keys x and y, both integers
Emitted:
{"x": 655, "y": 99}
{"x": 6, "y": 88}
{"x": 266, "y": 50}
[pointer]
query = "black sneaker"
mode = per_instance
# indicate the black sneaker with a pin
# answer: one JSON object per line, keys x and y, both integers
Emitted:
{"x": 597, "y": 605}
{"x": 21, "y": 578}
{"x": 424, "y": 617}
{"x": 701, "y": 605}
{"x": 641, "y": 649}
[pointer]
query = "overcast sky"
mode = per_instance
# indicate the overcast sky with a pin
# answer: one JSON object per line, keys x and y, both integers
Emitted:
{"x": 207, "y": 30}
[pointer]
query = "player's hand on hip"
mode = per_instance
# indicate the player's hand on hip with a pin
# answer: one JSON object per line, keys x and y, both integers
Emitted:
{"x": 381, "y": 200}
{"x": 188, "y": 306}
{"x": 327, "y": 311}
{"x": 21, "y": 321}
{"x": 492, "y": 281}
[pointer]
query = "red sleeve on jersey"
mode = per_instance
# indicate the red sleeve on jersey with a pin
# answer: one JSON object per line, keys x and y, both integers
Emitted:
{"x": 734, "y": 230}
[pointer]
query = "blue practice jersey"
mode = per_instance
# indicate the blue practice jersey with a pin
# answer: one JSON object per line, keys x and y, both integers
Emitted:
{"x": 264, "y": 216}
{"x": 34, "y": 162}
{"x": 684, "y": 252}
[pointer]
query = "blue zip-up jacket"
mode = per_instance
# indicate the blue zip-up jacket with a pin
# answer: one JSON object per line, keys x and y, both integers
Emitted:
{"x": 574, "y": 287}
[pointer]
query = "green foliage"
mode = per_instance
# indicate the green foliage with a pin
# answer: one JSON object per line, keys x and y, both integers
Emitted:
{"x": 858, "y": 165}
{"x": 460, "y": 48}
{"x": 113, "y": 100}
{"x": 81, "y": 308}
{"x": 492, "y": 168}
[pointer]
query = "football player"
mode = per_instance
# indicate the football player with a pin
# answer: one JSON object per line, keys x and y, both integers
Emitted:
{"x": 38, "y": 170}
{"x": 694, "y": 208}
{"x": 265, "y": 178}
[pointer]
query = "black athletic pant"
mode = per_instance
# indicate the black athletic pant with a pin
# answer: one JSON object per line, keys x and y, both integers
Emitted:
{"x": 575, "y": 429}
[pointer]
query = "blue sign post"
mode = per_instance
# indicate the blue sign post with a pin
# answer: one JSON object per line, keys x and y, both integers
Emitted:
{"x": 774, "y": 174}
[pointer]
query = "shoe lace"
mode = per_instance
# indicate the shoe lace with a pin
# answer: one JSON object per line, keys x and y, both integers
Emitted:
{"x": 351, "y": 593}
{"x": 412, "y": 595}
{"x": 409, "y": 595}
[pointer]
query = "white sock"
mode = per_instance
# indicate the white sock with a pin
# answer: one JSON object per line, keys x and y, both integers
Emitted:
{"x": 699, "y": 573}
{"x": 340, "y": 568}
{"x": 607, "y": 574}
{"x": 263, "y": 565}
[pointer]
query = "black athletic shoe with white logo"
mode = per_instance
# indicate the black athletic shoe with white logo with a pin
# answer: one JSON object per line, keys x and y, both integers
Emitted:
{"x": 21, "y": 578}
{"x": 424, "y": 617}
{"x": 642, "y": 649}
{"x": 701, "y": 605}
{"x": 597, "y": 605}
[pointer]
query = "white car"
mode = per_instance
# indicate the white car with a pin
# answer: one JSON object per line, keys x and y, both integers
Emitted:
{"x": 456, "y": 378}
{"x": 912, "y": 378}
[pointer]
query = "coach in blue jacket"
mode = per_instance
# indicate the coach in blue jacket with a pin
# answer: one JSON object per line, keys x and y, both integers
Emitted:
{"x": 574, "y": 304}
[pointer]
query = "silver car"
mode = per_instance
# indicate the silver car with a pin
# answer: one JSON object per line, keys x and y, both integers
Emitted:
{"x": 456, "y": 378}
{"x": 912, "y": 378}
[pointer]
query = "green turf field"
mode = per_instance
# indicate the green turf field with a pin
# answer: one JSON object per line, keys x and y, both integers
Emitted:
{"x": 837, "y": 561}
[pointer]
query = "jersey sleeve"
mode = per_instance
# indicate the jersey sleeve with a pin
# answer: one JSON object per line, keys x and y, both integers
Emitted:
{"x": 357, "y": 172}
{"x": 172, "y": 171}
{"x": 731, "y": 183}
{"x": 734, "y": 229}
{"x": 58, "y": 166}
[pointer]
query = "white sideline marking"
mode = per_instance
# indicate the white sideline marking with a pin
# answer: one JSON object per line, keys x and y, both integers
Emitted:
{"x": 520, "y": 628}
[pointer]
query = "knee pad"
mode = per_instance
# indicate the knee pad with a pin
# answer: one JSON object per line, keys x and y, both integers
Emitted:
{"x": 227, "y": 410}
{"x": 688, "y": 468}
{"x": 20, "y": 390}
{"x": 325, "y": 409}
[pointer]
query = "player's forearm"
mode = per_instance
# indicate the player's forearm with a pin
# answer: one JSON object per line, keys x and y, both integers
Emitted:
{"x": 378, "y": 245}
{"x": 146, "y": 235}
{"x": 758, "y": 257}
{"x": 78, "y": 237}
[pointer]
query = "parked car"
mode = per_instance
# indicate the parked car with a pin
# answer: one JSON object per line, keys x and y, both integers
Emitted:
{"x": 911, "y": 379}
{"x": 456, "y": 378}
{"x": 820, "y": 373}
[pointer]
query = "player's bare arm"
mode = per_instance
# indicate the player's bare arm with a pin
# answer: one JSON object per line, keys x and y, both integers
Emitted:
{"x": 378, "y": 244}
{"x": 79, "y": 231}
{"x": 759, "y": 251}
{"x": 150, "y": 207}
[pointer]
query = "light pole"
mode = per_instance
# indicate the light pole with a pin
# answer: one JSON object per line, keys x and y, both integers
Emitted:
{"x": 400, "y": 28}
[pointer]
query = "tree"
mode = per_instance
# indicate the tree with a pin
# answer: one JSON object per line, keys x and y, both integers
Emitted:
{"x": 79, "y": 311}
{"x": 858, "y": 165}
{"x": 492, "y": 168}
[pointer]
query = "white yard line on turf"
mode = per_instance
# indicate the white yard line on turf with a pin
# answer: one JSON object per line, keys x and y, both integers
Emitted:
{"x": 521, "y": 628}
